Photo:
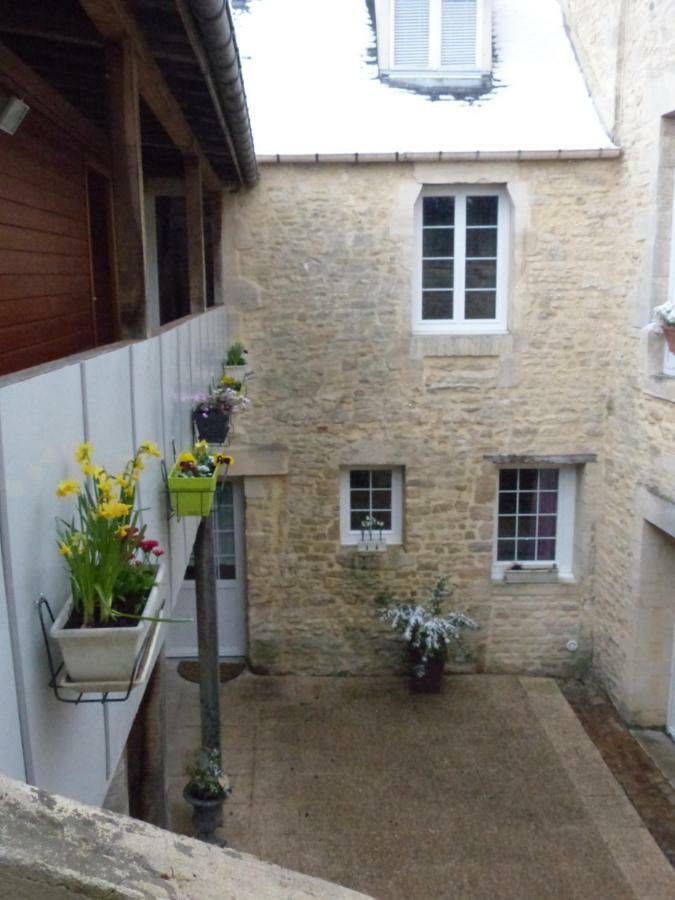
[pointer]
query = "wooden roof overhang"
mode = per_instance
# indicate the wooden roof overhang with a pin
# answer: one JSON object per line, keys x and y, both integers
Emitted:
{"x": 64, "y": 42}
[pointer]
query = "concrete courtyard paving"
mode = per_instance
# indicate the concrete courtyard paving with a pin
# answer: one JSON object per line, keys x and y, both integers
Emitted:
{"x": 490, "y": 790}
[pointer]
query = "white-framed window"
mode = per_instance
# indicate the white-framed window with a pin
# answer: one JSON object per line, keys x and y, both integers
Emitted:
{"x": 668, "y": 357}
{"x": 371, "y": 491}
{"x": 449, "y": 39}
{"x": 535, "y": 518}
{"x": 461, "y": 264}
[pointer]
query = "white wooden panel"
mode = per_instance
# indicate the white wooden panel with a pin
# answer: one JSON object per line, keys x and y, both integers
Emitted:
{"x": 411, "y": 33}
{"x": 107, "y": 383}
{"x": 42, "y": 421}
{"x": 200, "y": 370}
{"x": 11, "y": 752}
{"x": 458, "y": 33}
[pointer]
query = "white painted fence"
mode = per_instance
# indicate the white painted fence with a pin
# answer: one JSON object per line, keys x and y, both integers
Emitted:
{"x": 115, "y": 399}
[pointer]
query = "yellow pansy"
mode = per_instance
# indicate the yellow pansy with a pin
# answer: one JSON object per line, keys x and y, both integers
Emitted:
{"x": 64, "y": 549}
{"x": 222, "y": 460}
{"x": 67, "y": 487}
{"x": 113, "y": 509}
{"x": 187, "y": 458}
{"x": 83, "y": 452}
{"x": 149, "y": 449}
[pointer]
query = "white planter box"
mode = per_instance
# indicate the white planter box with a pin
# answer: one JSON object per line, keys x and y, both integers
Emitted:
{"x": 103, "y": 654}
{"x": 547, "y": 575}
{"x": 236, "y": 372}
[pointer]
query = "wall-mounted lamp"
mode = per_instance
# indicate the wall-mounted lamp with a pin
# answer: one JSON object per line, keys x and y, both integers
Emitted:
{"x": 12, "y": 113}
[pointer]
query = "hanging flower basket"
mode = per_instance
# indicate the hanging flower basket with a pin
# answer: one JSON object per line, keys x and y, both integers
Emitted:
{"x": 212, "y": 425}
{"x": 104, "y": 654}
{"x": 192, "y": 496}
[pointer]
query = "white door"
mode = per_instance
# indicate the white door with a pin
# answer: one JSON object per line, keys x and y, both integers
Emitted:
{"x": 670, "y": 722}
{"x": 230, "y": 581}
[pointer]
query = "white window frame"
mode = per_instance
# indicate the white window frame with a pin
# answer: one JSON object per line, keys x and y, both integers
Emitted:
{"x": 385, "y": 21}
{"x": 565, "y": 524}
{"x": 668, "y": 357}
{"x": 458, "y": 324}
{"x": 349, "y": 537}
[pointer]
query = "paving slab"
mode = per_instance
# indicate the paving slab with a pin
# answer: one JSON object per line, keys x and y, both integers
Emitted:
{"x": 491, "y": 789}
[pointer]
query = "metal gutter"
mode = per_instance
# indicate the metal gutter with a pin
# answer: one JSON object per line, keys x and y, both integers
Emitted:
{"x": 441, "y": 156}
{"x": 215, "y": 25}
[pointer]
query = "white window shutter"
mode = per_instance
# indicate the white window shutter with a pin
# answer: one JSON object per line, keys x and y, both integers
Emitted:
{"x": 411, "y": 33}
{"x": 458, "y": 33}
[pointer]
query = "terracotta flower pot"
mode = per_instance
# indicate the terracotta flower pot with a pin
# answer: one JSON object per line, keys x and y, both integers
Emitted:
{"x": 430, "y": 680}
{"x": 669, "y": 334}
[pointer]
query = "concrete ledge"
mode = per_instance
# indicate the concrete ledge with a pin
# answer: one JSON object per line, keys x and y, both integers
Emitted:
{"x": 52, "y": 848}
{"x": 422, "y": 345}
{"x": 258, "y": 459}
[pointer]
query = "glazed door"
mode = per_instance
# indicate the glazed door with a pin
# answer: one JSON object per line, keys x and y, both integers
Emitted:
{"x": 229, "y": 556}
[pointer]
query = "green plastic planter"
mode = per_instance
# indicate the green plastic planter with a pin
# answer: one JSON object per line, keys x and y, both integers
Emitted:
{"x": 192, "y": 496}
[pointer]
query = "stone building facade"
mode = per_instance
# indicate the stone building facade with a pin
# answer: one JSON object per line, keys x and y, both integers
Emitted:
{"x": 325, "y": 256}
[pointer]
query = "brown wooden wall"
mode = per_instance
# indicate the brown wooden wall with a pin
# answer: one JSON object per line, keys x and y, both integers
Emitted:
{"x": 45, "y": 291}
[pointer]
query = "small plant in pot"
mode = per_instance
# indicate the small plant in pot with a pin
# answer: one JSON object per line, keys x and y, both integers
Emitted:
{"x": 113, "y": 569}
{"x": 206, "y": 791}
{"x": 211, "y": 413}
{"x": 664, "y": 316}
{"x": 234, "y": 364}
{"x": 430, "y": 634}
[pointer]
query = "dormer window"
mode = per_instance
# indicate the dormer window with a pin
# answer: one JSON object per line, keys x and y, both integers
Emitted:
{"x": 435, "y": 43}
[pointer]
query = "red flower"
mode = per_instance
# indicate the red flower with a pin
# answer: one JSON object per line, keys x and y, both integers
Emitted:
{"x": 147, "y": 546}
{"x": 158, "y": 552}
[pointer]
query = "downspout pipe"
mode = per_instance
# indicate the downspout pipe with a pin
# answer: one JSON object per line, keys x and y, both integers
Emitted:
{"x": 216, "y": 28}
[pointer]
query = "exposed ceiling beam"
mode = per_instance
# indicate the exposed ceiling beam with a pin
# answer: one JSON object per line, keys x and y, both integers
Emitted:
{"x": 113, "y": 20}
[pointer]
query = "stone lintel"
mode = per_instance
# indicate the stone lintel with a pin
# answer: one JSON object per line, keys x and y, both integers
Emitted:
{"x": 558, "y": 459}
{"x": 258, "y": 459}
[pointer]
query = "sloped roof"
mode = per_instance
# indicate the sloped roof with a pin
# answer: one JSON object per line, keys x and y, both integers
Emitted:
{"x": 313, "y": 87}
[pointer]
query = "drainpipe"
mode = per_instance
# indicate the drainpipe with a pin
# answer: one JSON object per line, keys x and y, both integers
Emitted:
{"x": 217, "y": 31}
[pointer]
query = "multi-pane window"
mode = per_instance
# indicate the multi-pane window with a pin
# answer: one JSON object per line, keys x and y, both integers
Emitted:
{"x": 435, "y": 34}
{"x": 528, "y": 512}
{"x": 372, "y": 494}
{"x": 462, "y": 279}
{"x": 535, "y": 517}
{"x": 223, "y": 536}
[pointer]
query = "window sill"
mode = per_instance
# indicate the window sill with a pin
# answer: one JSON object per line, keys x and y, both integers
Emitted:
{"x": 456, "y": 344}
{"x": 533, "y": 584}
{"x": 392, "y": 557}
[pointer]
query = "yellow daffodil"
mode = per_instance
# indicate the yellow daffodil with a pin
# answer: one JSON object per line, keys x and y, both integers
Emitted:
{"x": 105, "y": 487}
{"x": 201, "y": 446}
{"x": 138, "y": 464}
{"x": 123, "y": 482}
{"x": 149, "y": 449}
{"x": 122, "y": 532}
{"x": 64, "y": 549}
{"x": 83, "y": 452}
{"x": 90, "y": 469}
{"x": 187, "y": 458}
{"x": 65, "y": 488}
{"x": 113, "y": 509}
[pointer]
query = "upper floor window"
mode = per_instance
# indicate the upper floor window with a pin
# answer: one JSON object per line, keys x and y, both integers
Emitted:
{"x": 437, "y": 40}
{"x": 461, "y": 276}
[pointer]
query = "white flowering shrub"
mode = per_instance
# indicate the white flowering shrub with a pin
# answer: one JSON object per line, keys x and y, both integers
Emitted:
{"x": 665, "y": 314}
{"x": 425, "y": 627}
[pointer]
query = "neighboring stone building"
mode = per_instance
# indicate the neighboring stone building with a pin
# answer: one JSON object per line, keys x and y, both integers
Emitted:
{"x": 395, "y": 385}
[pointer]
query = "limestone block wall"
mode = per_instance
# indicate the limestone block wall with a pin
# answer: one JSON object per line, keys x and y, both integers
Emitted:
{"x": 321, "y": 261}
{"x": 639, "y": 440}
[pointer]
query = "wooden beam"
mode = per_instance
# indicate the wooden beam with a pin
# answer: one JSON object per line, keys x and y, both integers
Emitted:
{"x": 41, "y": 96}
{"x": 114, "y": 21}
{"x": 194, "y": 212}
{"x": 127, "y": 172}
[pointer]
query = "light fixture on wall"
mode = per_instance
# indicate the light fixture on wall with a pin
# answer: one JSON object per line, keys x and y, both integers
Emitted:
{"x": 12, "y": 113}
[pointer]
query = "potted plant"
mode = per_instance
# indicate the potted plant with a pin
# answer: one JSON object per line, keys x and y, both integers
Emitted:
{"x": 234, "y": 364}
{"x": 428, "y": 632}
{"x": 206, "y": 792}
{"x": 114, "y": 573}
{"x": 211, "y": 413}
{"x": 664, "y": 316}
{"x": 194, "y": 478}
